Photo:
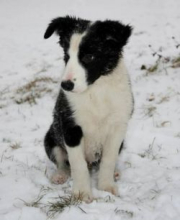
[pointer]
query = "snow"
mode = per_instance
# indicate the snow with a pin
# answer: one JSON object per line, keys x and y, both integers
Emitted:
{"x": 150, "y": 166}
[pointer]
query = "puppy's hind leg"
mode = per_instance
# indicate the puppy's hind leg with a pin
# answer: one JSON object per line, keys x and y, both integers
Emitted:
{"x": 57, "y": 155}
{"x": 63, "y": 172}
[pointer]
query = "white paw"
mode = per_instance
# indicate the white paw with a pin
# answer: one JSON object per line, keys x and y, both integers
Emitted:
{"x": 59, "y": 177}
{"x": 109, "y": 187}
{"x": 84, "y": 195}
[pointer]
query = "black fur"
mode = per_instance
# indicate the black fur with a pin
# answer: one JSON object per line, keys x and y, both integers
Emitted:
{"x": 104, "y": 43}
{"x": 99, "y": 52}
{"x": 100, "y": 48}
{"x": 73, "y": 136}
{"x": 63, "y": 129}
{"x": 65, "y": 27}
{"x": 50, "y": 142}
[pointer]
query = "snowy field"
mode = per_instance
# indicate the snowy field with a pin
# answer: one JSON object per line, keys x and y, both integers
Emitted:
{"x": 30, "y": 70}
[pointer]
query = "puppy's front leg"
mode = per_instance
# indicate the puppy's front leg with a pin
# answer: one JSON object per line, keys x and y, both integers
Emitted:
{"x": 79, "y": 170}
{"x": 108, "y": 161}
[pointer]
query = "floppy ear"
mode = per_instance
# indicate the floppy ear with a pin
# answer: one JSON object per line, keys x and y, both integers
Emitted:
{"x": 55, "y": 25}
{"x": 64, "y": 27}
{"x": 117, "y": 32}
{"x": 125, "y": 33}
{"x": 60, "y": 25}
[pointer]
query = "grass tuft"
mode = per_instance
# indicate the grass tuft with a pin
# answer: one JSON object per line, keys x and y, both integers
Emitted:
{"x": 126, "y": 214}
{"x": 62, "y": 202}
{"x": 34, "y": 90}
{"x": 152, "y": 68}
{"x": 33, "y": 84}
{"x": 149, "y": 110}
{"x": 149, "y": 153}
{"x": 164, "y": 99}
{"x": 176, "y": 62}
{"x": 36, "y": 203}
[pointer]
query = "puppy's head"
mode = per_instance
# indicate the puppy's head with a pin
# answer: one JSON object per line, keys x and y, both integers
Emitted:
{"x": 90, "y": 49}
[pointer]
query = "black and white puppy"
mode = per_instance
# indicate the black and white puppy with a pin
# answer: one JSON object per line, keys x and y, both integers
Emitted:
{"x": 94, "y": 103}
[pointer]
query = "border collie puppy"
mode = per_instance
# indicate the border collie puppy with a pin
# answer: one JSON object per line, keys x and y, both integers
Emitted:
{"x": 94, "y": 104}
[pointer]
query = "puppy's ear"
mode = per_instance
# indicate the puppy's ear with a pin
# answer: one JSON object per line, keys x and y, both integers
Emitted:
{"x": 57, "y": 25}
{"x": 62, "y": 26}
{"x": 53, "y": 26}
{"x": 66, "y": 25}
{"x": 116, "y": 31}
{"x": 125, "y": 32}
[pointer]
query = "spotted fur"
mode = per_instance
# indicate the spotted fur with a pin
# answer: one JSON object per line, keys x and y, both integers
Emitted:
{"x": 94, "y": 104}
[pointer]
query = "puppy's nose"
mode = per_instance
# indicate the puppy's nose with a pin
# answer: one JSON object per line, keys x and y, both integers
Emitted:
{"x": 67, "y": 85}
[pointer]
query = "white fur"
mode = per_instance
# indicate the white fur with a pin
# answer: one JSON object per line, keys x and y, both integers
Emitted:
{"x": 103, "y": 111}
{"x": 79, "y": 172}
{"x": 74, "y": 71}
{"x": 62, "y": 174}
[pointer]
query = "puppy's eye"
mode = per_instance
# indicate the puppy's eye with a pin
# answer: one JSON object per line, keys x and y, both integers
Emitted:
{"x": 88, "y": 58}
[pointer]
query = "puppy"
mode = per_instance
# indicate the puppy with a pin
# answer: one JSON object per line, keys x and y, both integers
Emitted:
{"x": 94, "y": 104}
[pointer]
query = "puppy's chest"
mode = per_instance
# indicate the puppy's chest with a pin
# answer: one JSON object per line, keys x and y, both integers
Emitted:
{"x": 94, "y": 125}
{"x": 94, "y": 113}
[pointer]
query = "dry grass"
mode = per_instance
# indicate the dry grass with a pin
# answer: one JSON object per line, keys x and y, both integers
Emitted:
{"x": 149, "y": 110}
{"x": 163, "y": 124}
{"x": 62, "y": 202}
{"x": 58, "y": 204}
{"x": 164, "y": 99}
{"x": 36, "y": 203}
{"x": 106, "y": 199}
{"x": 154, "y": 67}
{"x": 124, "y": 213}
{"x": 176, "y": 62}
{"x": 150, "y": 152}
{"x": 150, "y": 70}
{"x": 34, "y": 84}
{"x": 44, "y": 68}
{"x": 161, "y": 63}
{"x": 30, "y": 92}
{"x": 34, "y": 90}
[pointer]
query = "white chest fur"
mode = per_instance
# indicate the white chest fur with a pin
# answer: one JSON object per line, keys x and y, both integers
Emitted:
{"x": 106, "y": 103}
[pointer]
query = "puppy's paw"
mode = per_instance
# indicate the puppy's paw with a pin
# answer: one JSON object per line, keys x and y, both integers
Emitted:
{"x": 59, "y": 177}
{"x": 116, "y": 175}
{"x": 83, "y": 195}
{"x": 110, "y": 187}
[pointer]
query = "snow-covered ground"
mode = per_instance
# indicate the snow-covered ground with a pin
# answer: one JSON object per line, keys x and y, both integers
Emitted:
{"x": 30, "y": 70}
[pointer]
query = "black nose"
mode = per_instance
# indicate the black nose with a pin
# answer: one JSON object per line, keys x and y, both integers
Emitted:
{"x": 67, "y": 85}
